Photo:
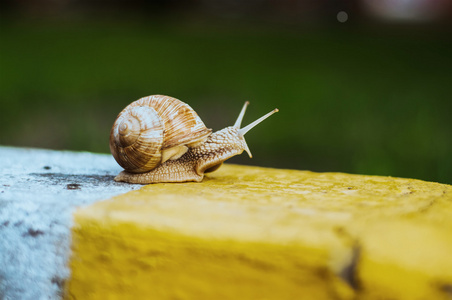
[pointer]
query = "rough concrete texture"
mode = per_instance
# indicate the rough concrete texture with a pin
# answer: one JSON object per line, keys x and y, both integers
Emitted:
{"x": 257, "y": 233}
{"x": 39, "y": 190}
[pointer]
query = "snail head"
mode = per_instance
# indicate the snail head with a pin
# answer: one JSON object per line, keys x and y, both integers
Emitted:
{"x": 242, "y": 131}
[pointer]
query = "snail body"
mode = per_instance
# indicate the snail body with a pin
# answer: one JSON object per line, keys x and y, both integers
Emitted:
{"x": 161, "y": 139}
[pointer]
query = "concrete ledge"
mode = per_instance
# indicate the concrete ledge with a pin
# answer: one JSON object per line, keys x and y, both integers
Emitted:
{"x": 39, "y": 190}
{"x": 254, "y": 233}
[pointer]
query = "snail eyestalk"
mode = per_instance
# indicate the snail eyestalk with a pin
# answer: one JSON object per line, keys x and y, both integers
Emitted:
{"x": 238, "y": 123}
{"x": 247, "y": 128}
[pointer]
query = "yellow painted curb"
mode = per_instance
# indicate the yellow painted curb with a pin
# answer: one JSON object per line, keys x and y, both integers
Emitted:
{"x": 259, "y": 233}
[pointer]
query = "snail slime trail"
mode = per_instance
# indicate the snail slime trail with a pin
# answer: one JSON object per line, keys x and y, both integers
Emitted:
{"x": 162, "y": 139}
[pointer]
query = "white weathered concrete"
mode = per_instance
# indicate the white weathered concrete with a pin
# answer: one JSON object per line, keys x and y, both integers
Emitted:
{"x": 39, "y": 189}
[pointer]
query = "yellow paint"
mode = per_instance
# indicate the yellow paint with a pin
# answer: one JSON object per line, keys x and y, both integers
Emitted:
{"x": 258, "y": 233}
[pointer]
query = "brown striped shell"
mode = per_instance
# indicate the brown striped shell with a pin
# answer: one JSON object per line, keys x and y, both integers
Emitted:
{"x": 151, "y": 125}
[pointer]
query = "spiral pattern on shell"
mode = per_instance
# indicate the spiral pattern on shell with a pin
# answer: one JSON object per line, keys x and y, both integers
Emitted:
{"x": 150, "y": 125}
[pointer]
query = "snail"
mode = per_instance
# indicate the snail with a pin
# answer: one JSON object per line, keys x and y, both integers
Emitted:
{"x": 162, "y": 139}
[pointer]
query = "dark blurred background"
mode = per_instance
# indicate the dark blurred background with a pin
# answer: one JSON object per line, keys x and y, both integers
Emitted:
{"x": 363, "y": 86}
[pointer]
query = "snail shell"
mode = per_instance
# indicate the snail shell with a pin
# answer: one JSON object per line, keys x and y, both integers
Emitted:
{"x": 154, "y": 129}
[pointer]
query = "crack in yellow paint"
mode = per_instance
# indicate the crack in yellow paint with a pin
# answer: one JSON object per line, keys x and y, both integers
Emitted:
{"x": 259, "y": 233}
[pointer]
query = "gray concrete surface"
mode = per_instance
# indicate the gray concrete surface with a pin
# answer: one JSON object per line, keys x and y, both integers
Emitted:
{"x": 39, "y": 190}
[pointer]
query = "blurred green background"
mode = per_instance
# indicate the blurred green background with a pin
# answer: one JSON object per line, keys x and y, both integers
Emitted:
{"x": 365, "y": 94}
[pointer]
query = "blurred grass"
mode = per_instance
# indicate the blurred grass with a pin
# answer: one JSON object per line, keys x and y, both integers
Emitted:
{"x": 357, "y": 101}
